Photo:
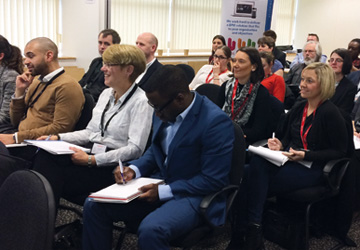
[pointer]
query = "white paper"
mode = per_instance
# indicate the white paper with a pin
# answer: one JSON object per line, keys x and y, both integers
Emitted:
{"x": 56, "y": 147}
{"x": 120, "y": 193}
{"x": 356, "y": 142}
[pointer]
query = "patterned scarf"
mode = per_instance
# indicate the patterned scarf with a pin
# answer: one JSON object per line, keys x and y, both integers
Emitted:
{"x": 243, "y": 101}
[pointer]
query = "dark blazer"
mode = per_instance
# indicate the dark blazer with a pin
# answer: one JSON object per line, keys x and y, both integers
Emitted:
{"x": 354, "y": 77}
{"x": 294, "y": 75}
{"x": 199, "y": 156}
{"x": 93, "y": 80}
{"x": 156, "y": 65}
{"x": 344, "y": 95}
{"x": 281, "y": 56}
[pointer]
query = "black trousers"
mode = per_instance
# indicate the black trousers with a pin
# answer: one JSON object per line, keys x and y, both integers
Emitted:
{"x": 71, "y": 181}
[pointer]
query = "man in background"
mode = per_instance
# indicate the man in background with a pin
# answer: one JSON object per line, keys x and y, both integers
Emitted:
{"x": 93, "y": 80}
{"x": 299, "y": 58}
{"x": 312, "y": 53}
{"x": 281, "y": 56}
{"x": 148, "y": 43}
{"x": 41, "y": 106}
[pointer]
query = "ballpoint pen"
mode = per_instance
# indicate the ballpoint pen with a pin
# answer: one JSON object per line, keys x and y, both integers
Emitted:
{"x": 122, "y": 172}
{"x": 47, "y": 138}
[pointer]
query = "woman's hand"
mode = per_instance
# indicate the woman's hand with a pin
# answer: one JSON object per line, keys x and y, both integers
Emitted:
{"x": 275, "y": 144}
{"x": 79, "y": 157}
{"x": 216, "y": 69}
{"x": 46, "y": 137}
{"x": 295, "y": 155}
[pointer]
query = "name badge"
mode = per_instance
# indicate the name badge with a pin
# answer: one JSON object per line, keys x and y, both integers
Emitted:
{"x": 98, "y": 148}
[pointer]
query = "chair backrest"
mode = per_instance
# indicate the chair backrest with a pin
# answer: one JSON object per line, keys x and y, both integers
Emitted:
{"x": 86, "y": 112}
{"x": 27, "y": 210}
{"x": 238, "y": 156}
{"x": 211, "y": 91}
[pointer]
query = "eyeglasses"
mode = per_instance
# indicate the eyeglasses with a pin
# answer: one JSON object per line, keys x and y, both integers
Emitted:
{"x": 219, "y": 57}
{"x": 337, "y": 60}
{"x": 108, "y": 65}
{"x": 160, "y": 109}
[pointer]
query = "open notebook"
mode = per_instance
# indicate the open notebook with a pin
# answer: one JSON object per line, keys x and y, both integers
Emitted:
{"x": 275, "y": 157}
{"x": 55, "y": 147}
{"x": 119, "y": 193}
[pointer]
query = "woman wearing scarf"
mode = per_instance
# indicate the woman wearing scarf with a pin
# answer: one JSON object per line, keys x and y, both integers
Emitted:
{"x": 243, "y": 97}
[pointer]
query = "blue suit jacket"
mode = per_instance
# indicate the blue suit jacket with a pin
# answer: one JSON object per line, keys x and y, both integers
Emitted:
{"x": 199, "y": 157}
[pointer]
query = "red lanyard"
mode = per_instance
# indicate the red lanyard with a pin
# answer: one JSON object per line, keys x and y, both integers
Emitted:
{"x": 209, "y": 80}
{"x": 303, "y": 136}
{"x": 233, "y": 114}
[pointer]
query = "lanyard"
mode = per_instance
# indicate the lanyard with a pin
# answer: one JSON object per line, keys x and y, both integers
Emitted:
{"x": 303, "y": 135}
{"x": 235, "y": 113}
{"x": 42, "y": 91}
{"x": 102, "y": 128}
{"x": 209, "y": 80}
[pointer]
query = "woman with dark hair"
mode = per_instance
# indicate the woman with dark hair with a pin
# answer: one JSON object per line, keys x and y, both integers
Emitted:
{"x": 217, "y": 41}
{"x": 217, "y": 73}
{"x": 243, "y": 97}
{"x": 11, "y": 65}
{"x": 274, "y": 83}
{"x": 340, "y": 62}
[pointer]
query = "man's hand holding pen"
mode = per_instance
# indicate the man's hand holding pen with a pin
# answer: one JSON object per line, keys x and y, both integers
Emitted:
{"x": 128, "y": 174}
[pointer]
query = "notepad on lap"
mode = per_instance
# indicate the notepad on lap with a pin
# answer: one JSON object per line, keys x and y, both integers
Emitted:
{"x": 119, "y": 193}
{"x": 56, "y": 147}
{"x": 275, "y": 157}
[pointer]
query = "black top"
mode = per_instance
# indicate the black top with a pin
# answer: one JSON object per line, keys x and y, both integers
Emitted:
{"x": 93, "y": 80}
{"x": 328, "y": 138}
{"x": 344, "y": 95}
{"x": 156, "y": 65}
{"x": 256, "y": 128}
{"x": 281, "y": 56}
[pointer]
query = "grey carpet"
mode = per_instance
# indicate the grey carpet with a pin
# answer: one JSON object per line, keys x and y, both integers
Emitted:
{"x": 220, "y": 242}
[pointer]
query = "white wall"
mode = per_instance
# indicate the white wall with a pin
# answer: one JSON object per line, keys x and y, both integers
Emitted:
{"x": 82, "y": 22}
{"x": 335, "y": 21}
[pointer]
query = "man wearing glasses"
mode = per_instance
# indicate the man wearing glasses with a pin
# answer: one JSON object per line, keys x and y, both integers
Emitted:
{"x": 312, "y": 53}
{"x": 191, "y": 150}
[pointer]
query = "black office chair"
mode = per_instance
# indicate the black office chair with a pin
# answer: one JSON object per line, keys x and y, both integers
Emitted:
{"x": 211, "y": 91}
{"x": 207, "y": 229}
{"x": 86, "y": 112}
{"x": 27, "y": 211}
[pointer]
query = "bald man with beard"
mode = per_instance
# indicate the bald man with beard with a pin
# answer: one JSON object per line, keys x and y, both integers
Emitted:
{"x": 48, "y": 104}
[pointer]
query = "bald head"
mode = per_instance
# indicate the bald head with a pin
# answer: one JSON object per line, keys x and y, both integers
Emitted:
{"x": 148, "y": 43}
{"x": 44, "y": 44}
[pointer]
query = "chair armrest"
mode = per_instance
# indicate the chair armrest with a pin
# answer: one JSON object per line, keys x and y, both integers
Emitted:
{"x": 339, "y": 166}
{"x": 207, "y": 200}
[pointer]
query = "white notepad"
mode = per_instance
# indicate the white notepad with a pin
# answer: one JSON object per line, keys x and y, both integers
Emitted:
{"x": 56, "y": 147}
{"x": 275, "y": 157}
{"x": 120, "y": 193}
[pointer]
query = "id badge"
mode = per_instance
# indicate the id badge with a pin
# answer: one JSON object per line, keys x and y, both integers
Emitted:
{"x": 98, "y": 149}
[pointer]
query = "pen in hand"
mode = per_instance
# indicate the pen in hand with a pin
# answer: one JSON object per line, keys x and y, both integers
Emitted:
{"x": 47, "y": 138}
{"x": 122, "y": 172}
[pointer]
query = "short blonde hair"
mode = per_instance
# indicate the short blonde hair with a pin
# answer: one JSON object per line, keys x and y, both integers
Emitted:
{"x": 124, "y": 55}
{"x": 326, "y": 76}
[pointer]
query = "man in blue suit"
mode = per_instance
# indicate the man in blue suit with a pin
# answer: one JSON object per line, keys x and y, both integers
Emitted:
{"x": 191, "y": 150}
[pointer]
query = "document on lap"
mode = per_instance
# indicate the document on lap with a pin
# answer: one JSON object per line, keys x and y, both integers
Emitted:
{"x": 55, "y": 147}
{"x": 118, "y": 193}
{"x": 275, "y": 157}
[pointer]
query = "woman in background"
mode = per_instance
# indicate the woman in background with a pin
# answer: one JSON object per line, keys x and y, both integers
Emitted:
{"x": 217, "y": 73}
{"x": 218, "y": 41}
{"x": 275, "y": 84}
{"x": 345, "y": 90}
{"x": 11, "y": 65}
{"x": 243, "y": 97}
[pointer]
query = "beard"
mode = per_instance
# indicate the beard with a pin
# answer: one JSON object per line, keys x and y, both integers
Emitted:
{"x": 309, "y": 60}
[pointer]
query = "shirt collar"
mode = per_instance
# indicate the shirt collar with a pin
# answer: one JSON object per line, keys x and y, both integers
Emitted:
{"x": 183, "y": 114}
{"x": 49, "y": 76}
